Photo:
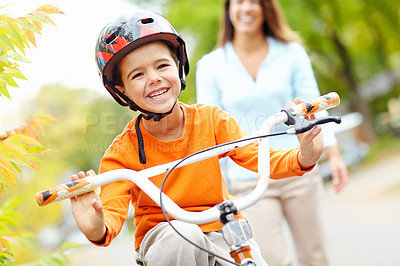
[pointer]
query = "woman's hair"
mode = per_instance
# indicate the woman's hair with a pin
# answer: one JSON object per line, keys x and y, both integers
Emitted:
{"x": 275, "y": 24}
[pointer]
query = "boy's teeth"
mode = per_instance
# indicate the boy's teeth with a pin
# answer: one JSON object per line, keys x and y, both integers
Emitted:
{"x": 153, "y": 95}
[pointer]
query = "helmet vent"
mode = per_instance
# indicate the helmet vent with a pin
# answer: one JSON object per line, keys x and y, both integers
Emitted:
{"x": 113, "y": 36}
{"x": 147, "y": 20}
{"x": 110, "y": 39}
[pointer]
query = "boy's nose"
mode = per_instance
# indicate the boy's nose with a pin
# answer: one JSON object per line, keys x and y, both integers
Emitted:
{"x": 153, "y": 77}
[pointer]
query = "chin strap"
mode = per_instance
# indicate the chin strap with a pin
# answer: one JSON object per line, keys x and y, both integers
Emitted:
{"x": 142, "y": 155}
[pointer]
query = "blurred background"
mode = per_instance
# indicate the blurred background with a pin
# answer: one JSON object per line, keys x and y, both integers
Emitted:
{"x": 354, "y": 47}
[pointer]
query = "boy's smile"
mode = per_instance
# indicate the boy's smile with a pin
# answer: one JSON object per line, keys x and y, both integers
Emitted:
{"x": 150, "y": 77}
{"x": 157, "y": 94}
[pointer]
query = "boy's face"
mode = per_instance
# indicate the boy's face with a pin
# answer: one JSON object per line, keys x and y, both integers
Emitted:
{"x": 150, "y": 77}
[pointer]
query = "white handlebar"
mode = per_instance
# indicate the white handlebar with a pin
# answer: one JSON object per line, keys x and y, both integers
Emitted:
{"x": 141, "y": 178}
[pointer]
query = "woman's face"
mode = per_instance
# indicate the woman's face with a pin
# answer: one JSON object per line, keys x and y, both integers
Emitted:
{"x": 246, "y": 16}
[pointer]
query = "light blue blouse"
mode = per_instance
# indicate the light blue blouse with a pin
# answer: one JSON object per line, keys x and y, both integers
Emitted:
{"x": 286, "y": 73}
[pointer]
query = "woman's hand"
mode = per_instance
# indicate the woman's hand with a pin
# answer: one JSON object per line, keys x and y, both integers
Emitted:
{"x": 338, "y": 168}
{"x": 88, "y": 212}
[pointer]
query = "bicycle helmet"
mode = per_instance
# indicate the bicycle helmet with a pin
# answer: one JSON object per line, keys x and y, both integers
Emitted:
{"x": 128, "y": 32}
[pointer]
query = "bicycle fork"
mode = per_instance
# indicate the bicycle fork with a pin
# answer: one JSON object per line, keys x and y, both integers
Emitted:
{"x": 237, "y": 233}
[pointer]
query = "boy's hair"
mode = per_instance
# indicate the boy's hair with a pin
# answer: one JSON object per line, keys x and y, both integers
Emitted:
{"x": 117, "y": 78}
{"x": 128, "y": 32}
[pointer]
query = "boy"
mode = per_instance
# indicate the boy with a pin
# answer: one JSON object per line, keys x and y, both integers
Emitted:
{"x": 142, "y": 60}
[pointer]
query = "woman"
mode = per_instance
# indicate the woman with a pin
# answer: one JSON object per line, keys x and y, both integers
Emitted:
{"x": 258, "y": 66}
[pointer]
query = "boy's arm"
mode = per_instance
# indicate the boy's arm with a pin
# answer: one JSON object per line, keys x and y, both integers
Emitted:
{"x": 311, "y": 147}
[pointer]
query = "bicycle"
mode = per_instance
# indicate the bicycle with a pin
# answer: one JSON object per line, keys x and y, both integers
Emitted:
{"x": 236, "y": 232}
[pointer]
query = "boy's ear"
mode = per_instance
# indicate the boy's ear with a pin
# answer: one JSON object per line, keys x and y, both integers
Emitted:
{"x": 121, "y": 89}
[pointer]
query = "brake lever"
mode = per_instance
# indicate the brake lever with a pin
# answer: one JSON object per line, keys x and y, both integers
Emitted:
{"x": 299, "y": 124}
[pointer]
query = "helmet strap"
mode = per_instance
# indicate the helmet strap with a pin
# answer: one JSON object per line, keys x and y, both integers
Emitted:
{"x": 142, "y": 155}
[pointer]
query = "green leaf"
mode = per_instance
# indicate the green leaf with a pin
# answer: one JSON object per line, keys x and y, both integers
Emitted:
{"x": 67, "y": 245}
{"x": 37, "y": 150}
{"x": 8, "y": 220}
{"x": 4, "y": 159}
{"x": 5, "y": 42}
{"x": 21, "y": 58}
{"x": 12, "y": 203}
{"x": 7, "y": 29}
{"x": 15, "y": 73}
{"x": 8, "y": 80}
{"x": 25, "y": 139}
{"x": 27, "y": 25}
{"x": 4, "y": 91}
{"x": 36, "y": 18}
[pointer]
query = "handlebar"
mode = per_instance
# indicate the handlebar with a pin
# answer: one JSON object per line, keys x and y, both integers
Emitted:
{"x": 141, "y": 178}
{"x": 321, "y": 103}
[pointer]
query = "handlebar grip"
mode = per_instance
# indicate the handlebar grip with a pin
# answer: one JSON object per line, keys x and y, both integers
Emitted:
{"x": 321, "y": 103}
{"x": 65, "y": 191}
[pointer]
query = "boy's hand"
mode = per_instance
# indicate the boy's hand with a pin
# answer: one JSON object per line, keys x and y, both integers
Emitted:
{"x": 88, "y": 212}
{"x": 311, "y": 144}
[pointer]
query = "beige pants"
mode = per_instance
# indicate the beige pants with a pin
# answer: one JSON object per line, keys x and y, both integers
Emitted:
{"x": 299, "y": 201}
{"x": 164, "y": 247}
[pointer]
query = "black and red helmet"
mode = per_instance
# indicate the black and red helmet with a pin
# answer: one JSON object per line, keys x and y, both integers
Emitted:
{"x": 128, "y": 32}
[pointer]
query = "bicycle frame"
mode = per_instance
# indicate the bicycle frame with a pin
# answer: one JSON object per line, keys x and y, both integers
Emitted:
{"x": 240, "y": 252}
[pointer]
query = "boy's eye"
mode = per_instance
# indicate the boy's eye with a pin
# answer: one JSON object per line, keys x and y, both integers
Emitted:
{"x": 137, "y": 75}
{"x": 162, "y": 66}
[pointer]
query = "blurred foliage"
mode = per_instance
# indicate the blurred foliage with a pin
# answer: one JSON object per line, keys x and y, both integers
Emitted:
{"x": 16, "y": 34}
{"x": 86, "y": 124}
{"x": 349, "y": 42}
{"x": 18, "y": 147}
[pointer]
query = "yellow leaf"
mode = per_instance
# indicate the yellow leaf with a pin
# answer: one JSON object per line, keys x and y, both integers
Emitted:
{"x": 19, "y": 46}
{"x": 50, "y": 9}
{"x": 26, "y": 139}
{"x": 13, "y": 149}
{"x": 44, "y": 117}
{"x": 38, "y": 149}
{"x": 38, "y": 25}
{"x": 8, "y": 176}
{"x": 4, "y": 161}
{"x": 50, "y": 20}
{"x": 15, "y": 72}
{"x": 33, "y": 164}
{"x": 36, "y": 16}
{"x": 4, "y": 91}
{"x": 27, "y": 131}
{"x": 25, "y": 24}
{"x": 7, "y": 79}
{"x": 36, "y": 125}
{"x": 31, "y": 36}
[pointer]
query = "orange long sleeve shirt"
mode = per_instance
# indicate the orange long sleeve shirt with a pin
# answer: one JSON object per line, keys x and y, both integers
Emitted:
{"x": 195, "y": 187}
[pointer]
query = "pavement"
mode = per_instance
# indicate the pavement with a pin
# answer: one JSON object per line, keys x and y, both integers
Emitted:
{"x": 362, "y": 222}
